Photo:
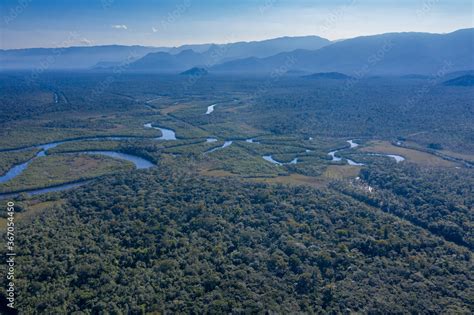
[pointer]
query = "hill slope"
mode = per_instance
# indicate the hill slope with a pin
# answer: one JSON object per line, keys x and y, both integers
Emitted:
{"x": 465, "y": 80}
{"x": 195, "y": 72}
{"x": 165, "y": 62}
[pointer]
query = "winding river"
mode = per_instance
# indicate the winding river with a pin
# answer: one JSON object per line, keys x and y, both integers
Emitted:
{"x": 352, "y": 163}
{"x": 139, "y": 162}
{"x": 270, "y": 159}
{"x": 353, "y": 145}
{"x": 15, "y": 171}
{"x": 335, "y": 158}
{"x": 166, "y": 134}
{"x": 225, "y": 145}
{"x": 397, "y": 158}
{"x": 252, "y": 141}
{"x": 46, "y": 190}
{"x": 210, "y": 109}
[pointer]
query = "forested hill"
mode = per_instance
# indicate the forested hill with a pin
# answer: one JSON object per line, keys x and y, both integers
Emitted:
{"x": 159, "y": 241}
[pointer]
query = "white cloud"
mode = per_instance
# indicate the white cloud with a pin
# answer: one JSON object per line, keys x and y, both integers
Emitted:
{"x": 154, "y": 30}
{"x": 120, "y": 26}
{"x": 85, "y": 41}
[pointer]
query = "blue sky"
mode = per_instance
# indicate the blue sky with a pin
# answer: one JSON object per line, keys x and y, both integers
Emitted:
{"x": 52, "y": 23}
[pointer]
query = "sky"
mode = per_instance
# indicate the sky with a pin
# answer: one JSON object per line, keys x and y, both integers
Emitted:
{"x": 60, "y": 23}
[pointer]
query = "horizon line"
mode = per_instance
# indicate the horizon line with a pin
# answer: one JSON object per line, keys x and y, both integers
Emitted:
{"x": 242, "y": 41}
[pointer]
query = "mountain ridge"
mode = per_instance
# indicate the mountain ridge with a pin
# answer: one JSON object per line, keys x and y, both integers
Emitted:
{"x": 86, "y": 57}
{"x": 383, "y": 54}
{"x": 389, "y": 54}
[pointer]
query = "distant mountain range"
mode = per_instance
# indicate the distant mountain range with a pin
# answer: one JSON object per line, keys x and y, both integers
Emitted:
{"x": 386, "y": 54}
{"x": 72, "y": 57}
{"x": 156, "y": 59}
{"x": 328, "y": 75}
{"x": 265, "y": 48}
{"x": 167, "y": 62}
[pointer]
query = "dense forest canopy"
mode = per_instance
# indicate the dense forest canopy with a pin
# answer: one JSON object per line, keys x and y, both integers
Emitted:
{"x": 162, "y": 241}
{"x": 292, "y": 195}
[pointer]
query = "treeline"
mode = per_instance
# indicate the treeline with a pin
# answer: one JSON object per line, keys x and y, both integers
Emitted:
{"x": 440, "y": 200}
{"x": 376, "y": 107}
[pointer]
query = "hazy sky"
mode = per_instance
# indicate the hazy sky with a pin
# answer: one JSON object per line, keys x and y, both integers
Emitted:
{"x": 53, "y": 23}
